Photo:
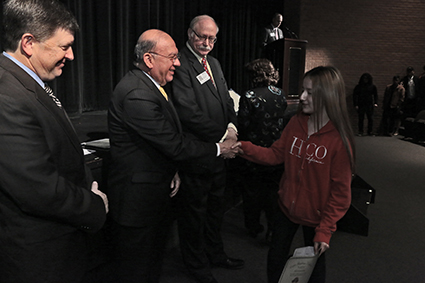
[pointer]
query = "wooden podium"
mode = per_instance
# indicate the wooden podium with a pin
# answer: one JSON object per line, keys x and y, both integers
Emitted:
{"x": 288, "y": 55}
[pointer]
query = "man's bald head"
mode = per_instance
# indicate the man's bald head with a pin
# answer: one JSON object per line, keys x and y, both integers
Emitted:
{"x": 156, "y": 54}
{"x": 148, "y": 41}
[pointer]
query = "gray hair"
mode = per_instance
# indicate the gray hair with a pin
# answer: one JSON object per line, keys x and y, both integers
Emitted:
{"x": 142, "y": 47}
{"x": 197, "y": 19}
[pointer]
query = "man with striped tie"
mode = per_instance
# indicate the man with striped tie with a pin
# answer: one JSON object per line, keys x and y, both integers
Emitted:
{"x": 48, "y": 201}
{"x": 205, "y": 108}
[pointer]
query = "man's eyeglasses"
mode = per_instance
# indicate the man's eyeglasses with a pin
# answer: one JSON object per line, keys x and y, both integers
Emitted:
{"x": 171, "y": 57}
{"x": 204, "y": 38}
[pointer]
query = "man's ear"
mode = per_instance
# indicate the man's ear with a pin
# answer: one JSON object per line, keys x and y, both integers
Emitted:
{"x": 148, "y": 59}
{"x": 27, "y": 44}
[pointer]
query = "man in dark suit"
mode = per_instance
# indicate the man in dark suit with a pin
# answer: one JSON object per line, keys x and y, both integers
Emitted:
{"x": 206, "y": 111}
{"x": 409, "y": 107}
{"x": 46, "y": 204}
{"x": 146, "y": 145}
{"x": 272, "y": 32}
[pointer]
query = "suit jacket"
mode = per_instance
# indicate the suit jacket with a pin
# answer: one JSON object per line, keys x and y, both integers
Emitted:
{"x": 261, "y": 116}
{"x": 204, "y": 110}
{"x": 406, "y": 86}
{"x": 365, "y": 96}
{"x": 45, "y": 197}
{"x": 146, "y": 145}
{"x": 261, "y": 119}
{"x": 269, "y": 35}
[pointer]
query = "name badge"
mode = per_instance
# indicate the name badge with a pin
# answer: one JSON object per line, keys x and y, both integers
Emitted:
{"x": 203, "y": 77}
{"x": 272, "y": 34}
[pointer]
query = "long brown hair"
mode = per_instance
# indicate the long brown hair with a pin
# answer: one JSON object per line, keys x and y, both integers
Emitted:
{"x": 328, "y": 91}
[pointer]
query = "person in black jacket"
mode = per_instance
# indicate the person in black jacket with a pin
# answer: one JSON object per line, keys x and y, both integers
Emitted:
{"x": 393, "y": 98}
{"x": 410, "y": 82}
{"x": 261, "y": 120}
{"x": 365, "y": 99}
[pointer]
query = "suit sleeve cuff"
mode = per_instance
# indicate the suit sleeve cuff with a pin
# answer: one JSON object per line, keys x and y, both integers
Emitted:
{"x": 232, "y": 126}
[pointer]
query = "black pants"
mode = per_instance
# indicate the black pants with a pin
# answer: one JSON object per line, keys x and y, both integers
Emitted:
{"x": 260, "y": 194}
{"x": 138, "y": 251}
{"x": 390, "y": 118}
{"x": 368, "y": 110}
{"x": 283, "y": 234}
{"x": 200, "y": 215}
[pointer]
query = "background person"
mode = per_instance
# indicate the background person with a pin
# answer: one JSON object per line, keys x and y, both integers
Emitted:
{"x": 317, "y": 148}
{"x": 393, "y": 98}
{"x": 272, "y": 32}
{"x": 411, "y": 85}
{"x": 365, "y": 99}
{"x": 261, "y": 121}
{"x": 48, "y": 201}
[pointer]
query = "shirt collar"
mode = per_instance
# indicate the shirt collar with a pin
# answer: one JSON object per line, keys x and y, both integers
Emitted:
{"x": 26, "y": 69}
{"x": 194, "y": 53}
{"x": 154, "y": 82}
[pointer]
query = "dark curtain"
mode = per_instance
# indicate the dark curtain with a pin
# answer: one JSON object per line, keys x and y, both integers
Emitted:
{"x": 109, "y": 29}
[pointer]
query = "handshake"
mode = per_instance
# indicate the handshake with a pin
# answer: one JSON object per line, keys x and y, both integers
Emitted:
{"x": 230, "y": 147}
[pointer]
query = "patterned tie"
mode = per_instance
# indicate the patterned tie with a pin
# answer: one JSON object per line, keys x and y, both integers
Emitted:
{"x": 163, "y": 93}
{"x": 49, "y": 91}
{"x": 204, "y": 63}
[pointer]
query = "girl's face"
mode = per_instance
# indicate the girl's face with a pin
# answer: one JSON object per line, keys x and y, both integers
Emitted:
{"x": 306, "y": 98}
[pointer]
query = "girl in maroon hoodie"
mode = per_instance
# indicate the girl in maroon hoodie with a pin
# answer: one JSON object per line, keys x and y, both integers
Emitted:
{"x": 317, "y": 148}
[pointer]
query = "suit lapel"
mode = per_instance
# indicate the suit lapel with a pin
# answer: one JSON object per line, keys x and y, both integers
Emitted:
{"x": 221, "y": 90}
{"x": 54, "y": 112}
{"x": 166, "y": 105}
{"x": 59, "y": 115}
{"x": 199, "y": 69}
{"x": 217, "y": 74}
{"x": 209, "y": 83}
{"x": 169, "y": 106}
{"x": 173, "y": 111}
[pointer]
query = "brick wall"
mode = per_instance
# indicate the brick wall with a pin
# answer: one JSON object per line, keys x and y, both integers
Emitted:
{"x": 381, "y": 37}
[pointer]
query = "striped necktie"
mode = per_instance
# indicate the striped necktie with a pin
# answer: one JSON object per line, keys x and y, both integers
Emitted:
{"x": 204, "y": 63}
{"x": 161, "y": 89}
{"x": 49, "y": 91}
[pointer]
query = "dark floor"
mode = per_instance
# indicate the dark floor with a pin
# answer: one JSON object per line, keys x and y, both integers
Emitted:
{"x": 392, "y": 252}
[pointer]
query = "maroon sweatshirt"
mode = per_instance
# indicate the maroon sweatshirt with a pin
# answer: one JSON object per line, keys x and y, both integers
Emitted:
{"x": 315, "y": 188}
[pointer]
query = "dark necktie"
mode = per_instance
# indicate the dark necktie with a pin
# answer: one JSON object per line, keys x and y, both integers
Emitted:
{"x": 49, "y": 91}
{"x": 204, "y": 63}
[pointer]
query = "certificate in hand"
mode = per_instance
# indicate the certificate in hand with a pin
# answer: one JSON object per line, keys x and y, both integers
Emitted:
{"x": 299, "y": 267}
